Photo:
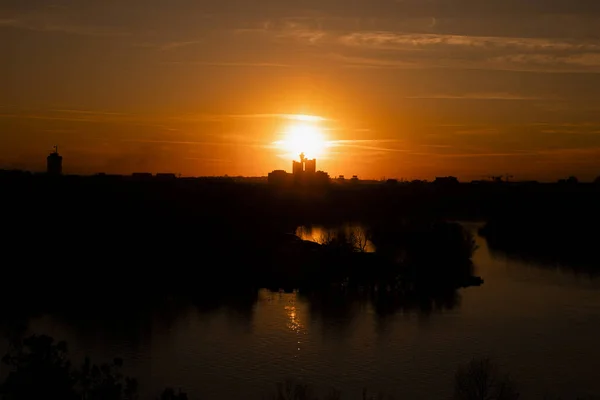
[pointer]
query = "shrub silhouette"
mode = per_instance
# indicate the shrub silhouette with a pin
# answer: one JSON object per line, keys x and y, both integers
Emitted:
{"x": 290, "y": 390}
{"x": 39, "y": 368}
{"x": 480, "y": 380}
{"x": 170, "y": 394}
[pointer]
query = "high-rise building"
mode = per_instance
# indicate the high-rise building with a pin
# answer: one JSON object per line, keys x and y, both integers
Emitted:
{"x": 54, "y": 163}
{"x": 310, "y": 166}
{"x": 305, "y": 166}
{"x": 304, "y": 172}
{"x": 297, "y": 168}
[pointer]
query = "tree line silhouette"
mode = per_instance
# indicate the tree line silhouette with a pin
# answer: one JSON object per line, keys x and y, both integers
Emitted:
{"x": 66, "y": 237}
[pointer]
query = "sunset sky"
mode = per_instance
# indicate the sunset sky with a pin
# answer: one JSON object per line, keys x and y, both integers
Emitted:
{"x": 402, "y": 88}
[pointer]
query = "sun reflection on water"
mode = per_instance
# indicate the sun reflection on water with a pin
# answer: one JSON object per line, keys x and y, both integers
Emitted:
{"x": 294, "y": 323}
{"x": 290, "y": 320}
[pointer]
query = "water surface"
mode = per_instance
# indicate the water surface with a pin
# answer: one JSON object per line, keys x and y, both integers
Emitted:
{"x": 541, "y": 324}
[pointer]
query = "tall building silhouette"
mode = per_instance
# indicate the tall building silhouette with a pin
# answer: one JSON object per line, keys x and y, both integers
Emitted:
{"x": 54, "y": 163}
{"x": 305, "y": 166}
{"x": 304, "y": 172}
{"x": 310, "y": 166}
{"x": 297, "y": 168}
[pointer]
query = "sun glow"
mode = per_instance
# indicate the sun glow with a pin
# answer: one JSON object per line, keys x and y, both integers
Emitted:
{"x": 303, "y": 136}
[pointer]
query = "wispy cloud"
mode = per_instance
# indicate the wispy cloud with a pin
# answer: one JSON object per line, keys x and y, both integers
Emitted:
{"x": 87, "y": 112}
{"x": 401, "y": 50}
{"x": 9, "y": 22}
{"x": 188, "y": 142}
{"x": 209, "y": 160}
{"x": 300, "y": 31}
{"x": 52, "y": 23}
{"x": 368, "y": 144}
{"x": 358, "y": 141}
{"x": 591, "y": 151}
{"x": 60, "y": 131}
{"x": 455, "y": 152}
{"x": 394, "y": 40}
{"x": 480, "y": 96}
{"x": 372, "y": 62}
{"x": 484, "y": 155}
{"x": 383, "y": 149}
{"x": 437, "y": 146}
{"x": 92, "y": 117}
{"x": 565, "y": 132}
{"x": 566, "y": 124}
{"x": 230, "y": 64}
{"x": 224, "y": 117}
{"x": 74, "y": 115}
{"x": 177, "y": 45}
{"x": 543, "y": 63}
{"x": 82, "y": 118}
{"x": 566, "y": 60}
{"x": 477, "y": 131}
{"x": 294, "y": 117}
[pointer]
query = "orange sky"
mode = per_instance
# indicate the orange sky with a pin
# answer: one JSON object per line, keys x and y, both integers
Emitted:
{"x": 408, "y": 89}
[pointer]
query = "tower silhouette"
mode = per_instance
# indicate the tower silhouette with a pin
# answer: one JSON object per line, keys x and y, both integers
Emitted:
{"x": 54, "y": 163}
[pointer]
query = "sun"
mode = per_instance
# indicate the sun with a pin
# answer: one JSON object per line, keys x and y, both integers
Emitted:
{"x": 303, "y": 137}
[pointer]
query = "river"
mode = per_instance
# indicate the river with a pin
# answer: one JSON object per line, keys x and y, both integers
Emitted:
{"x": 540, "y": 324}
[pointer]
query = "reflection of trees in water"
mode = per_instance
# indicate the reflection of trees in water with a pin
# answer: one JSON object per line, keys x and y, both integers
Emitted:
{"x": 565, "y": 245}
{"x": 337, "y": 308}
{"x": 334, "y": 309}
{"x": 132, "y": 324}
{"x": 390, "y": 303}
{"x": 538, "y": 259}
{"x": 129, "y": 323}
{"x": 238, "y": 303}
